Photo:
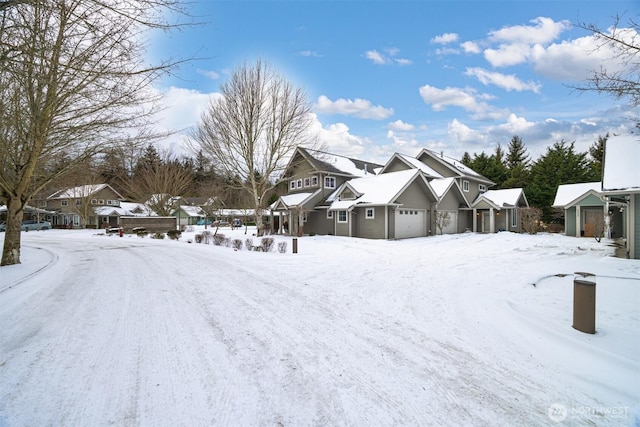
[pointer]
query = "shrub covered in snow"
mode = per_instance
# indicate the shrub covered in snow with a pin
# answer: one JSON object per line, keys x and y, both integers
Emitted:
{"x": 236, "y": 244}
{"x": 267, "y": 244}
{"x": 282, "y": 247}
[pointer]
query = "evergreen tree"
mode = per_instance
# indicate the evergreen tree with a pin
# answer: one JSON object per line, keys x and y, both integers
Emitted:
{"x": 596, "y": 151}
{"x": 466, "y": 159}
{"x": 561, "y": 164}
{"x": 517, "y": 163}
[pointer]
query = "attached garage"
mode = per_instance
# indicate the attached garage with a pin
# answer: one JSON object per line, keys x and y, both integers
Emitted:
{"x": 410, "y": 223}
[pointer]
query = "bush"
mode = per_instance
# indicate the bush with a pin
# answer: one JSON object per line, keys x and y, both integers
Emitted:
{"x": 219, "y": 239}
{"x": 157, "y": 236}
{"x": 531, "y": 220}
{"x": 236, "y": 244}
{"x": 174, "y": 234}
{"x": 282, "y": 247}
{"x": 248, "y": 244}
{"x": 206, "y": 236}
{"x": 267, "y": 244}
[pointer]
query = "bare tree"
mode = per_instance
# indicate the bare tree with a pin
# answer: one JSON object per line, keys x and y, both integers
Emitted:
{"x": 443, "y": 219}
{"x": 72, "y": 81}
{"x": 619, "y": 77}
{"x": 159, "y": 186}
{"x": 251, "y": 131}
{"x": 530, "y": 218}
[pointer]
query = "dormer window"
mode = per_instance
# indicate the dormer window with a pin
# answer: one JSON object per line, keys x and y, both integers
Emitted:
{"x": 465, "y": 186}
{"x": 299, "y": 183}
{"x": 307, "y": 182}
{"x": 292, "y": 185}
{"x": 482, "y": 188}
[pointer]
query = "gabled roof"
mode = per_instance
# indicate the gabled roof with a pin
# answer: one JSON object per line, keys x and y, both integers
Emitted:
{"x": 125, "y": 209}
{"x": 498, "y": 199}
{"x": 335, "y": 164}
{"x": 82, "y": 191}
{"x": 193, "y": 211}
{"x": 294, "y": 200}
{"x": 377, "y": 190}
{"x": 443, "y": 186}
{"x": 455, "y": 166}
{"x": 411, "y": 163}
{"x": 621, "y": 171}
{"x": 568, "y": 194}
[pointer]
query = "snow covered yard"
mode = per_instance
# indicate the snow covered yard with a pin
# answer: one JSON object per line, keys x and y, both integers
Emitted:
{"x": 445, "y": 330}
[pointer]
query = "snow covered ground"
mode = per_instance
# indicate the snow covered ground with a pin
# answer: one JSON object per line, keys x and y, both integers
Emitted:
{"x": 446, "y": 330}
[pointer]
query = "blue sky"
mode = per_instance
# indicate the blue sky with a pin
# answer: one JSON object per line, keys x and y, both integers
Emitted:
{"x": 399, "y": 76}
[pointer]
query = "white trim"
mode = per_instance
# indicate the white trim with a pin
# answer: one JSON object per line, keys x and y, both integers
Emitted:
{"x": 373, "y": 213}
{"x": 346, "y": 217}
{"x": 329, "y": 214}
{"x": 331, "y": 180}
{"x": 465, "y": 186}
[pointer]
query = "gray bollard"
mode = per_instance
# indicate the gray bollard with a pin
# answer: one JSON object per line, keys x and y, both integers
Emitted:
{"x": 584, "y": 305}
{"x": 295, "y": 245}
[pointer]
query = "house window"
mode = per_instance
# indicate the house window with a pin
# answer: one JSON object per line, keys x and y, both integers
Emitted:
{"x": 329, "y": 182}
{"x": 43, "y": 203}
{"x": 94, "y": 201}
{"x": 514, "y": 217}
{"x": 465, "y": 185}
{"x": 64, "y": 203}
{"x": 482, "y": 188}
{"x": 342, "y": 216}
{"x": 299, "y": 183}
{"x": 109, "y": 202}
{"x": 304, "y": 217}
{"x": 292, "y": 185}
{"x": 307, "y": 182}
{"x": 78, "y": 202}
{"x": 370, "y": 213}
{"x": 101, "y": 202}
{"x": 329, "y": 214}
{"x": 314, "y": 181}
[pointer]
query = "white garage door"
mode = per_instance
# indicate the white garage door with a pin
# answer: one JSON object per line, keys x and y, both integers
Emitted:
{"x": 410, "y": 223}
{"x": 452, "y": 226}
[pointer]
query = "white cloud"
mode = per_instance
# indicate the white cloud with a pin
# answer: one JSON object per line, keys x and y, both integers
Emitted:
{"x": 463, "y": 133}
{"x": 213, "y": 75}
{"x": 507, "y": 82}
{"x": 544, "y": 31}
{"x": 309, "y": 53}
{"x": 508, "y": 54}
{"x": 361, "y": 108}
{"x": 471, "y": 47}
{"x": 466, "y": 98}
{"x": 399, "y": 125}
{"x": 336, "y": 138}
{"x": 445, "y": 38}
{"x": 375, "y": 57}
{"x": 380, "y": 59}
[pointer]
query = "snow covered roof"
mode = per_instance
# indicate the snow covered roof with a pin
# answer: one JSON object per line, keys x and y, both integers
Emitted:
{"x": 453, "y": 164}
{"x": 295, "y": 199}
{"x": 194, "y": 211}
{"x": 335, "y": 163}
{"x": 508, "y": 197}
{"x": 376, "y": 189}
{"x": 441, "y": 185}
{"x": 569, "y": 193}
{"x": 417, "y": 164}
{"x": 80, "y": 191}
{"x": 621, "y": 169}
{"x": 125, "y": 209}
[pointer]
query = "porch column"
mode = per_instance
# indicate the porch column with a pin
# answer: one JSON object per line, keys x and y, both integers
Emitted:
{"x": 492, "y": 221}
{"x": 475, "y": 220}
{"x": 578, "y": 222}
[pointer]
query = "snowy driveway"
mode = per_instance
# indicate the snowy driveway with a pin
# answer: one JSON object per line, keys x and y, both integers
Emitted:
{"x": 436, "y": 331}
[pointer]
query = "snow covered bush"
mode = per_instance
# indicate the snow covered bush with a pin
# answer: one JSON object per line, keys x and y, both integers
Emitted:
{"x": 219, "y": 239}
{"x": 248, "y": 244}
{"x": 236, "y": 244}
{"x": 267, "y": 244}
{"x": 282, "y": 247}
{"x": 174, "y": 234}
{"x": 531, "y": 220}
{"x": 206, "y": 237}
{"x": 157, "y": 236}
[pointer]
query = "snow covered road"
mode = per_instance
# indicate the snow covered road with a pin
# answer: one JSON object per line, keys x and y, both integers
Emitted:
{"x": 128, "y": 331}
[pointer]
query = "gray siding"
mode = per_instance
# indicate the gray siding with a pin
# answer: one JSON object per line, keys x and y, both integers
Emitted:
{"x": 370, "y": 228}
{"x": 317, "y": 223}
{"x": 635, "y": 200}
{"x": 570, "y": 221}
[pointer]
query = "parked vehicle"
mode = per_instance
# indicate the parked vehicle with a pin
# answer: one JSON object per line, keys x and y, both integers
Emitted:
{"x": 30, "y": 225}
{"x": 236, "y": 223}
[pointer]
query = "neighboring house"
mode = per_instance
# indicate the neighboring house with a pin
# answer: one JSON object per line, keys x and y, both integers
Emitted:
{"x": 621, "y": 187}
{"x": 584, "y": 209}
{"x": 499, "y": 210}
{"x": 110, "y": 216}
{"x": 76, "y": 206}
{"x": 188, "y": 215}
{"x": 311, "y": 177}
